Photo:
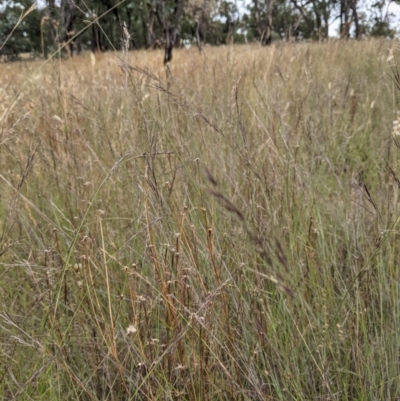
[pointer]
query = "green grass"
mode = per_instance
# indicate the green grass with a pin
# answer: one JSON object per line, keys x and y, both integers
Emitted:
{"x": 231, "y": 234}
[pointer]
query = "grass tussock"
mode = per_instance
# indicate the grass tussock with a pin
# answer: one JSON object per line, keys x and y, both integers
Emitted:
{"x": 230, "y": 234}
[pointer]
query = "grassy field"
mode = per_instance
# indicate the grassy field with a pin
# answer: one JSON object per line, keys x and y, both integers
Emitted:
{"x": 228, "y": 234}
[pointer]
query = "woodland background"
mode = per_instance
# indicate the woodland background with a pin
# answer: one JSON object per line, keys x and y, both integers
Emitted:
{"x": 96, "y": 24}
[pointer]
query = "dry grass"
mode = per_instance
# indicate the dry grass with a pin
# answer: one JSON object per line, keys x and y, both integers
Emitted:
{"x": 227, "y": 235}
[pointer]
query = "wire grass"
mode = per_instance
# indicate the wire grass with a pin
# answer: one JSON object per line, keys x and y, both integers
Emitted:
{"x": 230, "y": 233}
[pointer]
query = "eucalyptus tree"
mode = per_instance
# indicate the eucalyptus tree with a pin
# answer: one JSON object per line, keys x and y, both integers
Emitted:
{"x": 170, "y": 16}
{"x": 315, "y": 15}
{"x": 348, "y": 15}
{"x": 58, "y": 22}
{"x": 264, "y": 20}
{"x": 68, "y": 14}
{"x": 379, "y": 24}
{"x": 198, "y": 15}
{"x": 19, "y": 27}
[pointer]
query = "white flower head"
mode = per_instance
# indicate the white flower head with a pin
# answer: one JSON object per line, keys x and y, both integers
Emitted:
{"x": 131, "y": 329}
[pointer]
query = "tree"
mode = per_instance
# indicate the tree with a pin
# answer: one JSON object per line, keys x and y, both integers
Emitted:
{"x": 196, "y": 20}
{"x": 258, "y": 21}
{"x": 19, "y": 28}
{"x": 228, "y": 15}
{"x": 316, "y": 15}
{"x": 49, "y": 27}
{"x": 163, "y": 23}
{"x": 379, "y": 24}
{"x": 68, "y": 15}
{"x": 348, "y": 15}
{"x": 264, "y": 23}
{"x": 171, "y": 16}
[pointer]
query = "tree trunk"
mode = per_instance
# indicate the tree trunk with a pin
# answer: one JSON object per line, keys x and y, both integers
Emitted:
{"x": 264, "y": 28}
{"x": 171, "y": 32}
{"x": 348, "y": 14}
{"x": 345, "y": 20}
{"x": 309, "y": 21}
{"x": 51, "y": 14}
{"x": 318, "y": 20}
{"x": 258, "y": 19}
{"x": 96, "y": 45}
{"x": 326, "y": 15}
{"x": 150, "y": 26}
{"x": 267, "y": 37}
{"x": 198, "y": 40}
{"x": 68, "y": 17}
{"x": 355, "y": 18}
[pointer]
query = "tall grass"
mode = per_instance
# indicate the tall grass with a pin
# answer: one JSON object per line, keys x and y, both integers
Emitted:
{"x": 230, "y": 234}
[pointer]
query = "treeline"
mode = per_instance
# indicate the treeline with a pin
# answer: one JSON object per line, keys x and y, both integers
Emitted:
{"x": 76, "y": 25}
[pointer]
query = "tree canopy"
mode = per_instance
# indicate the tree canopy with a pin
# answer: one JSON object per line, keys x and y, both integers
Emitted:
{"x": 75, "y": 25}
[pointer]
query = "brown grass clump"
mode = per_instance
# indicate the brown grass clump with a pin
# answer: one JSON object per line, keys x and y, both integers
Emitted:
{"x": 228, "y": 234}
